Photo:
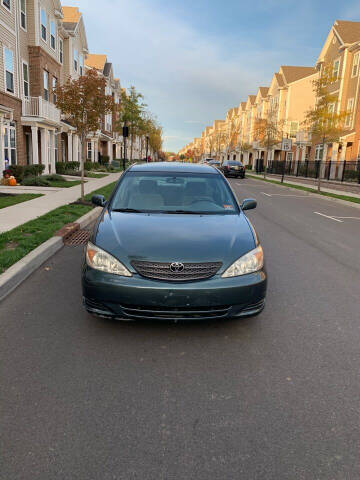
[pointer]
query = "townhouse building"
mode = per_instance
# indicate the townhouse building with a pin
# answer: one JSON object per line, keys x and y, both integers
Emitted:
{"x": 73, "y": 48}
{"x": 342, "y": 50}
{"x": 42, "y": 44}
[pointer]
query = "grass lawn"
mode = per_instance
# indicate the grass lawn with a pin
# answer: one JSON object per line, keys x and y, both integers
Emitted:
{"x": 106, "y": 191}
{"x": 308, "y": 189}
{"x": 96, "y": 175}
{"x": 18, "y": 242}
{"x": 64, "y": 183}
{"x": 8, "y": 200}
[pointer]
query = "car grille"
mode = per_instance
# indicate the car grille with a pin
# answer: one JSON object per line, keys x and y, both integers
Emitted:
{"x": 191, "y": 271}
{"x": 179, "y": 313}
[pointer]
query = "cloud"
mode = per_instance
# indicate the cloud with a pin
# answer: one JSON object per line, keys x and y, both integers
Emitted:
{"x": 181, "y": 71}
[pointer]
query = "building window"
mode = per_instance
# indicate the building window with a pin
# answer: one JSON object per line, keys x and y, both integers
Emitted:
{"x": 9, "y": 70}
{"x": 25, "y": 69}
{"x": 331, "y": 108}
{"x": 289, "y": 156}
{"x": 56, "y": 147}
{"x": 76, "y": 59}
{"x": 89, "y": 151}
{"x": 23, "y": 14}
{"x": 7, "y": 4}
{"x": 319, "y": 152}
{"x": 81, "y": 65}
{"x": 355, "y": 68}
{"x": 9, "y": 144}
{"x": 61, "y": 50}
{"x": 349, "y": 111}
{"x": 43, "y": 25}
{"x": 46, "y": 85}
{"x": 294, "y": 127}
{"x": 52, "y": 35}
{"x": 336, "y": 69}
{"x": 54, "y": 85}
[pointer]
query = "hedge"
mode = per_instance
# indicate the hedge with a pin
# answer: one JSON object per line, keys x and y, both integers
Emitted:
{"x": 63, "y": 167}
{"x": 22, "y": 171}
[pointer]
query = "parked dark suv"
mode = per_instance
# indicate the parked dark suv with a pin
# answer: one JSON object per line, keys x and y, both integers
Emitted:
{"x": 233, "y": 168}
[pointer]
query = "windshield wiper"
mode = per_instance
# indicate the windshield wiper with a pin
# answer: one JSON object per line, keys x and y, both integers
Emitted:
{"x": 190, "y": 212}
{"x": 128, "y": 210}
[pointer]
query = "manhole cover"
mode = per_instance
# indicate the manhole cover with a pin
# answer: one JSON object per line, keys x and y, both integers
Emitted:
{"x": 81, "y": 237}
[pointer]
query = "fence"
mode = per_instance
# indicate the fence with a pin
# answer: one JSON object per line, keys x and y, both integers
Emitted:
{"x": 338, "y": 171}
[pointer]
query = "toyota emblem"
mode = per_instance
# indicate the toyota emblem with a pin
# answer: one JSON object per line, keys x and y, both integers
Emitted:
{"x": 177, "y": 267}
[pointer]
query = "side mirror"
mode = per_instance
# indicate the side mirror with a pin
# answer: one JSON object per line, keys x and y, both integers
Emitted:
{"x": 248, "y": 204}
{"x": 98, "y": 200}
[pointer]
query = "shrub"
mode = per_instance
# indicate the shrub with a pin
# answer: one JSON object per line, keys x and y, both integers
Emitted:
{"x": 36, "y": 182}
{"x": 33, "y": 170}
{"x": 64, "y": 167}
{"x": 104, "y": 159}
{"x": 88, "y": 165}
{"x": 73, "y": 173}
{"x": 54, "y": 177}
{"x": 17, "y": 171}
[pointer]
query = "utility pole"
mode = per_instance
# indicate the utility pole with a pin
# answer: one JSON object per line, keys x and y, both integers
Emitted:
{"x": 147, "y": 147}
{"x": 125, "y": 135}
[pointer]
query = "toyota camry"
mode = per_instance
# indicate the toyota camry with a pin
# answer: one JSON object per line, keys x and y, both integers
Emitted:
{"x": 173, "y": 243}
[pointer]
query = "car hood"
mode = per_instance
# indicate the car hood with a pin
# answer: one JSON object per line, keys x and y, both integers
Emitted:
{"x": 174, "y": 238}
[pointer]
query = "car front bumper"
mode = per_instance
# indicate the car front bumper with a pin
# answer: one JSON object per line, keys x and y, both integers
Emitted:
{"x": 140, "y": 298}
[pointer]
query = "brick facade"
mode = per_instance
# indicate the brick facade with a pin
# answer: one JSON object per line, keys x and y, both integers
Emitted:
{"x": 16, "y": 105}
{"x": 39, "y": 61}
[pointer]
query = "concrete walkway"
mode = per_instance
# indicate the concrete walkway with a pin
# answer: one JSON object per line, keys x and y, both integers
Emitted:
{"x": 16, "y": 215}
{"x": 339, "y": 189}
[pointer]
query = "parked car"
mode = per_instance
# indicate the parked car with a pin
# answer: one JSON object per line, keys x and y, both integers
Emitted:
{"x": 214, "y": 163}
{"x": 233, "y": 168}
{"x": 172, "y": 243}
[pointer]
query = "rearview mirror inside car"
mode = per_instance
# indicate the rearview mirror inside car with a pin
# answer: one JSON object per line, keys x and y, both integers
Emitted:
{"x": 98, "y": 200}
{"x": 248, "y": 204}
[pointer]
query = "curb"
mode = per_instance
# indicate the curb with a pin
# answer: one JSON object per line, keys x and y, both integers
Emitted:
{"x": 311, "y": 194}
{"x": 22, "y": 269}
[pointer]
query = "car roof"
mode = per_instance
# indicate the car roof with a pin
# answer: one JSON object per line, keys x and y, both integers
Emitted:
{"x": 173, "y": 167}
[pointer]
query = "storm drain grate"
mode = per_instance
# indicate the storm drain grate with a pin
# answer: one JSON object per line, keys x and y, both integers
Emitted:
{"x": 81, "y": 237}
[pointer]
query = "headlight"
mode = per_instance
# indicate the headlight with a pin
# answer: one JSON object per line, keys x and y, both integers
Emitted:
{"x": 103, "y": 261}
{"x": 249, "y": 263}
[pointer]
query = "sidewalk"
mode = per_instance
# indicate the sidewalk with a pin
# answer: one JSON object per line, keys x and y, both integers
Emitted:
{"x": 16, "y": 215}
{"x": 339, "y": 189}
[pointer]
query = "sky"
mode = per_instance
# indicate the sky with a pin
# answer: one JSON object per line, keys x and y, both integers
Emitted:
{"x": 193, "y": 60}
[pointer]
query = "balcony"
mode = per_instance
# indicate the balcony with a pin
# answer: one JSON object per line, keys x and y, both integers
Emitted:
{"x": 40, "y": 109}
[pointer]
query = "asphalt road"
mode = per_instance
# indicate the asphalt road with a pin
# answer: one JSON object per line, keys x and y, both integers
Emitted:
{"x": 274, "y": 397}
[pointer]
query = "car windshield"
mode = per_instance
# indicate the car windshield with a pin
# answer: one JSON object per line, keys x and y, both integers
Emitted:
{"x": 235, "y": 164}
{"x": 173, "y": 192}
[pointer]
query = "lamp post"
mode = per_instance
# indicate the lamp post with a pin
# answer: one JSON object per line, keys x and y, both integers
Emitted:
{"x": 147, "y": 147}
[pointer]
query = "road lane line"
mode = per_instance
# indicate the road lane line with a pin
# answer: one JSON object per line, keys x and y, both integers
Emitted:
{"x": 353, "y": 218}
{"x": 327, "y": 216}
{"x": 284, "y": 195}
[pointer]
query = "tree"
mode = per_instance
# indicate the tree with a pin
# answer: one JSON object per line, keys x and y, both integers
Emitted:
{"x": 268, "y": 133}
{"x": 244, "y": 147}
{"x": 322, "y": 121}
{"x": 211, "y": 143}
{"x": 220, "y": 138}
{"x": 233, "y": 135}
{"x": 131, "y": 115}
{"x": 84, "y": 103}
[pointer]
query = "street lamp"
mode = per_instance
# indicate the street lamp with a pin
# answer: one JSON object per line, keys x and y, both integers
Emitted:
{"x": 147, "y": 147}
